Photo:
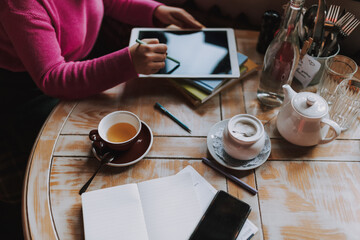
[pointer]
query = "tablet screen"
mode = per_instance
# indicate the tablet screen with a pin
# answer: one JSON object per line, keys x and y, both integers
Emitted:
{"x": 196, "y": 53}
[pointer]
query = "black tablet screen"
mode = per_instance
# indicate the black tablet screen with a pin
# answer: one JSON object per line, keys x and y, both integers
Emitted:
{"x": 199, "y": 52}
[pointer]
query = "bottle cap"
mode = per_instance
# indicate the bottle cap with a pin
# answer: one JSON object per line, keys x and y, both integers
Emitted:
{"x": 297, "y": 3}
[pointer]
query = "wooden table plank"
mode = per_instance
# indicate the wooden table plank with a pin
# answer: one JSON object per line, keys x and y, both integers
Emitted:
{"x": 163, "y": 147}
{"x": 253, "y": 201}
{"x": 140, "y": 100}
{"x": 309, "y": 200}
{"x": 335, "y": 151}
{"x": 232, "y": 101}
{"x": 196, "y": 147}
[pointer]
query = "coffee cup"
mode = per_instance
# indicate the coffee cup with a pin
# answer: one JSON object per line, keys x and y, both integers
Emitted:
{"x": 118, "y": 130}
{"x": 244, "y": 137}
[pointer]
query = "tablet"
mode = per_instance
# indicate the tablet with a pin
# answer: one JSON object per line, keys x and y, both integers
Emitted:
{"x": 206, "y": 53}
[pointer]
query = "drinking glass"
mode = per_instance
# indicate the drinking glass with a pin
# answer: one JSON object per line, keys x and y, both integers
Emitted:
{"x": 346, "y": 103}
{"x": 337, "y": 69}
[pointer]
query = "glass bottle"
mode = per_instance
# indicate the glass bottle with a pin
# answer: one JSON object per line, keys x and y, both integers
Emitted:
{"x": 281, "y": 58}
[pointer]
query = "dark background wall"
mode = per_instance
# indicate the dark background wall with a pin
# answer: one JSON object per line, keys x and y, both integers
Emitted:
{"x": 246, "y": 14}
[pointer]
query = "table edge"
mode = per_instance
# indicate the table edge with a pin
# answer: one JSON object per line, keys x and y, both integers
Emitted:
{"x": 61, "y": 111}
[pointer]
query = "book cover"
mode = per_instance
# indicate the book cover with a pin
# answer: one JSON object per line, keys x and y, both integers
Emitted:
{"x": 198, "y": 96}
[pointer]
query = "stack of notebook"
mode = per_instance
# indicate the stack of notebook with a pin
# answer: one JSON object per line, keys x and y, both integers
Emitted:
{"x": 199, "y": 91}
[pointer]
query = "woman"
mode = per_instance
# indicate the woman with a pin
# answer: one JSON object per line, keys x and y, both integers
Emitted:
{"x": 43, "y": 44}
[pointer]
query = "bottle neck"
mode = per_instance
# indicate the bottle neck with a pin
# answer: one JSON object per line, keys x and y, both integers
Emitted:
{"x": 292, "y": 15}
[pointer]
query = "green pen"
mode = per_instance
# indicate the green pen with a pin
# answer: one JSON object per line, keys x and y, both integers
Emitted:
{"x": 167, "y": 113}
{"x": 170, "y": 58}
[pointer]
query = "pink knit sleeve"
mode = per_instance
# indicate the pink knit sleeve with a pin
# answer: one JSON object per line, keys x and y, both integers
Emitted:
{"x": 36, "y": 44}
{"x": 135, "y": 12}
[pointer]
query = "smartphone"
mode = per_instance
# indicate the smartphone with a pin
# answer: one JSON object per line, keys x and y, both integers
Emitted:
{"x": 223, "y": 219}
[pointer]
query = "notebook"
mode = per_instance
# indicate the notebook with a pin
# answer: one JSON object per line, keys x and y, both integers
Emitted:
{"x": 197, "y": 96}
{"x": 159, "y": 209}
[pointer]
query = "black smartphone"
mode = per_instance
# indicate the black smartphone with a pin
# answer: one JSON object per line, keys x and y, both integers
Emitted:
{"x": 223, "y": 219}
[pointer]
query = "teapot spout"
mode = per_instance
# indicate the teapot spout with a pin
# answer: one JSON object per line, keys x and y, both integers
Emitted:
{"x": 289, "y": 93}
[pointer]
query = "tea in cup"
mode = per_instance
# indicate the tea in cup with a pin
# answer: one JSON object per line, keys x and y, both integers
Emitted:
{"x": 119, "y": 130}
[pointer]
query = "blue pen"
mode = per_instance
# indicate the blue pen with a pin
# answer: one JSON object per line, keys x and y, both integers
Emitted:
{"x": 167, "y": 113}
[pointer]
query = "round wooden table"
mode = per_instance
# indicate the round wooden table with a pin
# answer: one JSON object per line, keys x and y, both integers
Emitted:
{"x": 304, "y": 193}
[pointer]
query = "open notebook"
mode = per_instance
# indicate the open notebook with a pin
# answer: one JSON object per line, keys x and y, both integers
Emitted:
{"x": 161, "y": 209}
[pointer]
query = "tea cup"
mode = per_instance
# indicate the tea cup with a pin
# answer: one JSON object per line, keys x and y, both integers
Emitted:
{"x": 118, "y": 130}
{"x": 244, "y": 137}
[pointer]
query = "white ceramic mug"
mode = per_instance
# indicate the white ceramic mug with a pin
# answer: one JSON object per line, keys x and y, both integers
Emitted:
{"x": 244, "y": 137}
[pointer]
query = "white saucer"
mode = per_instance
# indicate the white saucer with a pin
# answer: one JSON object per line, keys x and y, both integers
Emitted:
{"x": 215, "y": 147}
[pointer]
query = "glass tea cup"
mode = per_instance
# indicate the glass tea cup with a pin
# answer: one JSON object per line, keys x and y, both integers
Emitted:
{"x": 337, "y": 69}
{"x": 346, "y": 103}
{"x": 119, "y": 130}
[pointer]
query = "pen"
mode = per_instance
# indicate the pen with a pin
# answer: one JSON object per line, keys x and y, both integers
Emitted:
{"x": 170, "y": 58}
{"x": 167, "y": 113}
{"x": 230, "y": 176}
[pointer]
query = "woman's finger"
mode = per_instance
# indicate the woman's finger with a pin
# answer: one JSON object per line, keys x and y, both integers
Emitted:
{"x": 153, "y": 45}
{"x": 150, "y": 40}
{"x": 175, "y": 20}
{"x": 186, "y": 20}
{"x": 159, "y": 57}
{"x": 159, "y": 48}
{"x": 157, "y": 65}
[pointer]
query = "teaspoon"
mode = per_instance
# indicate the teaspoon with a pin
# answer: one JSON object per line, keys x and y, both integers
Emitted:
{"x": 104, "y": 160}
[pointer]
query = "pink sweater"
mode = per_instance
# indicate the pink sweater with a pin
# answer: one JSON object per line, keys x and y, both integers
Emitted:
{"x": 47, "y": 38}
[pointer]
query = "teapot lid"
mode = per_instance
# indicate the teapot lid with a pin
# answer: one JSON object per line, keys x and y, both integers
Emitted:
{"x": 310, "y": 105}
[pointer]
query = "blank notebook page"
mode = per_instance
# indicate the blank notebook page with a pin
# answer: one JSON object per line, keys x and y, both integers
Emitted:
{"x": 171, "y": 207}
{"x": 113, "y": 213}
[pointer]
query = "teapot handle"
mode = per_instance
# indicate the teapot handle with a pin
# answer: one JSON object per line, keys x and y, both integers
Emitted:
{"x": 335, "y": 127}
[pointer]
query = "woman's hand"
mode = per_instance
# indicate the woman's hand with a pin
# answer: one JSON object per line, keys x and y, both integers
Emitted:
{"x": 165, "y": 16}
{"x": 148, "y": 58}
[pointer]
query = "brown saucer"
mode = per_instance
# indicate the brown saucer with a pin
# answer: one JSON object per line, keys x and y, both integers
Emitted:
{"x": 125, "y": 158}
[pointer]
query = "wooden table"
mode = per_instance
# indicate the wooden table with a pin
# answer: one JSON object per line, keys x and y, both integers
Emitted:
{"x": 304, "y": 192}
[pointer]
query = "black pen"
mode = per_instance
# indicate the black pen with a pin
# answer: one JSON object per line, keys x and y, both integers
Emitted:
{"x": 167, "y": 113}
{"x": 230, "y": 176}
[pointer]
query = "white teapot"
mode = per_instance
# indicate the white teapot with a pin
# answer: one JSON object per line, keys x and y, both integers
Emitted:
{"x": 303, "y": 119}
